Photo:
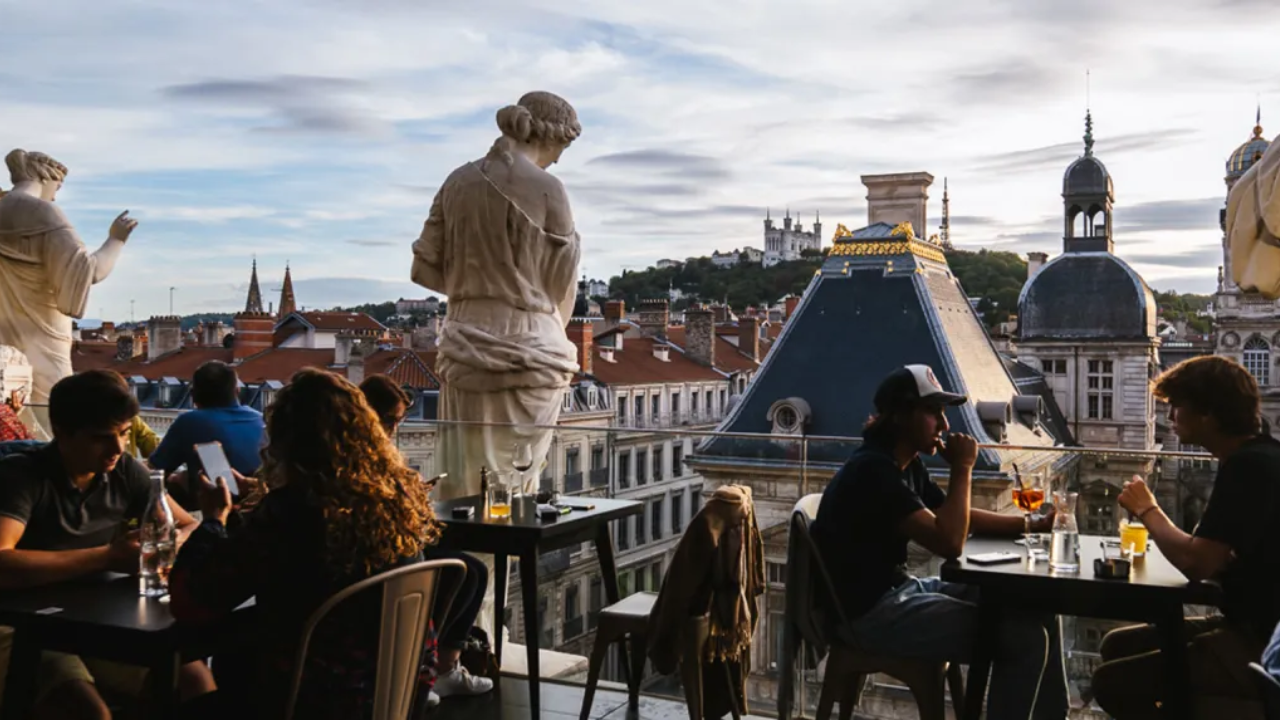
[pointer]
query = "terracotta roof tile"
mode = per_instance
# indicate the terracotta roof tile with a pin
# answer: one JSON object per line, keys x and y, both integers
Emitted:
{"x": 406, "y": 367}
{"x": 635, "y": 364}
{"x": 181, "y": 363}
{"x": 93, "y": 355}
{"x": 281, "y": 363}
{"x": 335, "y": 321}
{"x": 728, "y": 359}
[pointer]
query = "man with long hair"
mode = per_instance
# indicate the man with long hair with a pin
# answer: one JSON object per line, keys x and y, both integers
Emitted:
{"x": 883, "y": 498}
{"x": 1214, "y": 403}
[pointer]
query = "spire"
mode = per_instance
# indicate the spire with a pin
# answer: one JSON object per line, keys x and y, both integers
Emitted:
{"x": 945, "y": 234}
{"x": 1257, "y": 125}
{"x": 287, "y": 303}
{"x": 766, "y": 214}
{"x": 254, "y": 302}
{"x": 1088, "y": 133}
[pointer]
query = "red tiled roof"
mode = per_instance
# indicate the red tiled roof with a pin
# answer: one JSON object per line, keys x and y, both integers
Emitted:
{"x": 281, "y": 363}
{"x": 181, "y": 363}
{"x": 92, "y": 355}
{"x": 728, "y": 359}
{"x": 406, "y": 367}
{"x": 635, "y": 364}
{"x": 337, "y": 321}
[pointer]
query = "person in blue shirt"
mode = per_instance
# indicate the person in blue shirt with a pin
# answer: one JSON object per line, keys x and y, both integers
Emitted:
{"x": 218, "y": 416}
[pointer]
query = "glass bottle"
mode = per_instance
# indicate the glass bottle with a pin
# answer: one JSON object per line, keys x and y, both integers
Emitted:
{"x": 159, "y": 538}
{"x": 1064, "y": 548}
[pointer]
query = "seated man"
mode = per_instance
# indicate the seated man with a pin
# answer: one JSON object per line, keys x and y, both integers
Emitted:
{"x": 1213, "y": 403}
{"x": 60, "y": 509}
{"x": 218, "y": 416}
{"x": 881, "y": 499}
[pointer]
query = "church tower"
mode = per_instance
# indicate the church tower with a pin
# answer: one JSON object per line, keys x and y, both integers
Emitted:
{"x": 287, "y": 303}
{"x": 254, "y": 302}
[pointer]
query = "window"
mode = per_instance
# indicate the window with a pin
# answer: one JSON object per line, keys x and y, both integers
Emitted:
{"x": 655, "y": 519}
{"x": 677, "y": 459}
{"x": 642, "y": 466}
{"x": 571, "y": 461}
{"x": 593, "y": 397}
{"x": 624, "y": 534}
{"x": 595, "y": 601}
{"x": 1053, "y": 367}
{"x": 1257, "y": 359}
{"x": 547, "y": 633}
{"x": 639, "y": 410}
{"x": 655, "y": 576}
{"x": 572, "y": 612}
{"x": 1101, "y": 389}
{"x": 777, "y": 573}
{"x": 707, "y": 396}
{"x": 675, "y": 404}
{"x": 624, "y": 469}
{"x": 641, "y": 528}
{"x": 693, "y": 403}
{"x": 568, "y": 401}
{"x": 622, "y": 411}
{"x": 677, "y": 513}
{"x": 658, "y": 471}
{"x": 657, "y": 406}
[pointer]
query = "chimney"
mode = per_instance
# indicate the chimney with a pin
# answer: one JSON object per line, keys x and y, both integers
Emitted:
{"x": 214, "y": 333}
{"x": 661, "y": 351}
{"x": 164, "y": 334}
{"x": 1035, "y": 261}
{"x": 124, "y": 346}
{"x": 343, "y": 342}
{"x": 581, "y": 333}
{"x": 721, "y": 313}
{"x": 140, "y": 342}
{"x": 355, "y": 364}
{"x": 653, "y": 317}
{"x": 615, "y": 311}
{"x": 791, "y": 303}
{"x": 108, "y": 331}
{"x": 700, "y": 336}
{"x": 254, "y": 332}
{"x": 897, "y": 198}
{"x": 749, "y": 337}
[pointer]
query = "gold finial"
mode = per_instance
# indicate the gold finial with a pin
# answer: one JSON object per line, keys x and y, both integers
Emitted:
{"x": 841, "y": 232}
{"x": 905, "y": 228}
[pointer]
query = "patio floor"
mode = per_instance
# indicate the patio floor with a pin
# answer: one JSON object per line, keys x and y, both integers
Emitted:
{"x": 559, "y": 702}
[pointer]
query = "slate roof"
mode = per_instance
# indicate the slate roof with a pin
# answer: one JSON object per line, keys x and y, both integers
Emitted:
{"x": 1086, "y": 296}
{"x": 880, "y": 301}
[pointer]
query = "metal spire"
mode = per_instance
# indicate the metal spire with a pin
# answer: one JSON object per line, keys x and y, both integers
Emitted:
{"x": 1088, "y": 133}
{"x": 946, "y": 215}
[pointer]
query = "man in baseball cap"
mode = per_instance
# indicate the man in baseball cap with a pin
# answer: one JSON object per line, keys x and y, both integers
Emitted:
{"x": 883, "y": 498}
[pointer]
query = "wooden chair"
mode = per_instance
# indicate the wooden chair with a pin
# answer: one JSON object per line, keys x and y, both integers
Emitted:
{"x": 847, "y": 667}
{"x": 408, "y": 594}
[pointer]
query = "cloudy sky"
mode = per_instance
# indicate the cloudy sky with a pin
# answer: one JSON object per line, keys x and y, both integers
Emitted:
{"x": 316, "y": 133}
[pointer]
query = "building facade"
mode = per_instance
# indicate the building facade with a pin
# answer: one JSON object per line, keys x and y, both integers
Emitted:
{"x": 790, "y": 241}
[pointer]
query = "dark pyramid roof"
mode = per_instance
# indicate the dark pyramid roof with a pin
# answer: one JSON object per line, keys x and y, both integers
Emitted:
{"x": 880, "y": 301}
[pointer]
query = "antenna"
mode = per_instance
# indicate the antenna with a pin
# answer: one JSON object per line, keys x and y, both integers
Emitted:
{"x": 1088, "y": 91}
{"x": 171, "y": 300}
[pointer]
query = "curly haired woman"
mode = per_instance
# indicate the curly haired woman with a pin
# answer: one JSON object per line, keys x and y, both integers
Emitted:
{"x": 341, "y": 506}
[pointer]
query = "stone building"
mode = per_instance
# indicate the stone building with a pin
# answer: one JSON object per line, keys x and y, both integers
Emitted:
{"x": 1248, "y": 325}
{"x": 789, "y": 241}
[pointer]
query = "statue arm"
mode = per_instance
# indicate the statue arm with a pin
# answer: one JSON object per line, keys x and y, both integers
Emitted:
{"x": 104, "y": 260}
{"x": 428, "y": 250}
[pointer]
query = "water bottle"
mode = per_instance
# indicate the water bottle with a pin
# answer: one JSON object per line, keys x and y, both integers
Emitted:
{"x": 1064, "y": 550}
{"x": 159, "y": 538}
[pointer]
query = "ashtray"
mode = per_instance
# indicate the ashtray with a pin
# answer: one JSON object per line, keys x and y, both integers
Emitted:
{"x": 1112, "y": 568}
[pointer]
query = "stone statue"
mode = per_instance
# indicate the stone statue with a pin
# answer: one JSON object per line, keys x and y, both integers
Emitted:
{"x": 1253, "y": 226}
{"x": 45, "y": 271}
{"x": 501, "y": 244}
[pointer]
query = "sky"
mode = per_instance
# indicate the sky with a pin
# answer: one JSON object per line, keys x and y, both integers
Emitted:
{"x": 316, "y": 133}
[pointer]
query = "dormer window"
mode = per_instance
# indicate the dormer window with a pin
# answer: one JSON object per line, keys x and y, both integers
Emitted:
{"x": 593, "y": 397}
{"x": 790, "y": 416}
{"x": 568, "y": 401}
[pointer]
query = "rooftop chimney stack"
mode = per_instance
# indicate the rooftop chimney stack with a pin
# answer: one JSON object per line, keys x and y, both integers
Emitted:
{"x": 896, "y": 198}
{"x": 654, "y": 317}
{"x": 749, "y": 337}
{"x": 581, "y": 333}
{"x": 615, "y": 311}
{"x": 164, "y": 333}
{"x": 700, "y": 336}
{"x": 1035, "y": 261}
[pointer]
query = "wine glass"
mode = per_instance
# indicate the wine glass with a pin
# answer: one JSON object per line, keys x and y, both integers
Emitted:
{"x": 1028, "y": 495}
{"x": 522, "y": 461}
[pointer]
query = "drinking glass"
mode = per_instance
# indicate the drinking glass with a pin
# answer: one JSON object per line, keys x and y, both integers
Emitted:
{"x": 522, "y": 461}
{"x": 1064, "y": 548}
{"x": 1133, "y": 537}
{"x": 1029, "y": 496}
{"x": 499, "y": 500}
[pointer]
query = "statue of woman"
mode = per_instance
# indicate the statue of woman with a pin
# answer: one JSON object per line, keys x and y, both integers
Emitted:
{"x": 501, "y": 244}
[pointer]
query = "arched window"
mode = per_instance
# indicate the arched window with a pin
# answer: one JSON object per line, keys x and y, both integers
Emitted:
{"x": 1076, "y": 219}
{"x": 1257, "y": 359}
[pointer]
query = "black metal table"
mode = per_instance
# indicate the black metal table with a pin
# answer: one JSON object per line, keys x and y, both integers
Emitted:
{"x": 1154, "y": 593}
{"x": 525, "y": 536}
{"x": 104, "y": 617}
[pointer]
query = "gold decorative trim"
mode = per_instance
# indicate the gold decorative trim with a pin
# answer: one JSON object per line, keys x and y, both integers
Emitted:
{"x": 892, "y": 247}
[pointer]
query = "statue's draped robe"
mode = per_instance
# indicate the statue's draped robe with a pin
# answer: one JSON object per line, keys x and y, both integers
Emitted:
{"x": 503, "y": 355}
{"x": 1253, "y": 226}
{"x": 45, "y": 276}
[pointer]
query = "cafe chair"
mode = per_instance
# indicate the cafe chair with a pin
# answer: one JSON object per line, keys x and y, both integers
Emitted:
{"x": 408, "y": 594}
{"x": 1268, "y": 690}
{"x": 627, "y": 621}
{"x": 847, "y": 667}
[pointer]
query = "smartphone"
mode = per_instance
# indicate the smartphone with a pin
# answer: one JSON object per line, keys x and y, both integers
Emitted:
{"x": 216, "y": 465}
{"x": 993, "y": 558}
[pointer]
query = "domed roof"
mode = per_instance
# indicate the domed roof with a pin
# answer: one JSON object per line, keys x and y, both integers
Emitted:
{"x": 1247, "y": 154}
{"x": 1087, "y": 176}
{"x": 1086, "y": 296}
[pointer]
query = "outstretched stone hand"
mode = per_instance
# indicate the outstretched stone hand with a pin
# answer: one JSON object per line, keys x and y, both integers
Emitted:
{"x": 122, "y": 226}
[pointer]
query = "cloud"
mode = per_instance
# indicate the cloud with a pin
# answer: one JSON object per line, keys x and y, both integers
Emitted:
{"x": 997, "y": 81}
{"x": 1205, "y": 257}
{"x": 665, "y": 162}
{"x": 1198, "y": 214}
{"x": 1062, "y": 154}
{"x": 373, "y": 243}
{"x": 295, "y": 104}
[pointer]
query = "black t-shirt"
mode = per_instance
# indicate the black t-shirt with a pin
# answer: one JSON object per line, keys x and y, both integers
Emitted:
{"x": 857, "y": 530}
{"x": 35, "y": 490}
{"x": 1244, "y": 512}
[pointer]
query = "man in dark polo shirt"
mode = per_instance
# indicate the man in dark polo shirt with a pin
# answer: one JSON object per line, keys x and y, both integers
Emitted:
{"x": 62, "y": 509}
{"x": 1214, "y": 403}
{"x": 883, "y": 498}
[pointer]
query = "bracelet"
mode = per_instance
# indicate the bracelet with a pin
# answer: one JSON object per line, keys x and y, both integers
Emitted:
{"x": 1144, "y": 512}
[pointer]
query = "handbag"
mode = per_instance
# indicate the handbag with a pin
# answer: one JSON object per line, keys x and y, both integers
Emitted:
{"x": 477, "y": 655}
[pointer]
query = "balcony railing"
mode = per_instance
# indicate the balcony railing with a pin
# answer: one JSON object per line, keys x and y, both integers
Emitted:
{"x": 573, "y": 482}
{"x": 799, "y": 466}
{"x": 670, "y": 420}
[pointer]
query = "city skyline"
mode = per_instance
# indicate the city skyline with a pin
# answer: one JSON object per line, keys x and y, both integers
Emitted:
{"x": 316, "y": 133}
